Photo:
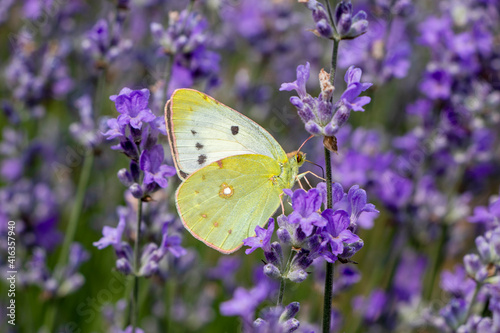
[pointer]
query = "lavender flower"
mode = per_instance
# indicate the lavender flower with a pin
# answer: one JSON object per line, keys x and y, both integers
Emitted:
{"x": 320, "y": 16}
{"x": 336, "y": 234}
{"x": 132, "y": 106}
{"x": 151, "y": 162}
{"x": 370, "y": 307}
{"x": 278, "y": 319}
{"x": 489, "y": 216}
{"x": 320, "y": 115}
{"x": 138, "y": 129}
{"x": 38, "y": 73}
{"x": 104, "y": 44}
{"x": 312, "y": 234}
{"x": 187, "y": 41}
{"x": 113, "y": 236}
{"x": 305, "y": 209}
{"x": 153, "y": 255}
{"x": 70, "y": 280}
{"x": 261, "y": 240}
{"x": 245, "y": 302}
{"x": 382, "y": 53}
{"x": 85, "y": 131}
{"x": 347, "y": 25}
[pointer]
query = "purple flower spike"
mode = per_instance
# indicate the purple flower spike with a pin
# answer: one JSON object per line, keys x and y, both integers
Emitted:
{"x": 262, "y": 238}
{"x": 133, "y": 106}
{"x": 306, "y": 206}
{"x": 321, "y": 115}
{"x": 155, "y": 171}
{"x": 347, "y": 25}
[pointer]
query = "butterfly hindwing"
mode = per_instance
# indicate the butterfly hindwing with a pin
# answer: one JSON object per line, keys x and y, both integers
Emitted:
{"x": 222, "y": 203}
{"x": 203, "y": 130}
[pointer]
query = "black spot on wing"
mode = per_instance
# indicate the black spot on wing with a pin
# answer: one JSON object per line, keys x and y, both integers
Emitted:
{"x": 183, "y": 174}
{"x": 199, "y": 146}
{"x": 235, "y": 130}
{"x": 194, "y": 132}
{"x": 201, "y": 159}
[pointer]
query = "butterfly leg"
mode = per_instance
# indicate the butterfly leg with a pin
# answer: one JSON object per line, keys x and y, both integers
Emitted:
{"x": 303, "y": 175}
{"x": 300, "y": 183}
{"x": 307, "y": 181}
{"x": 281, "y": 203}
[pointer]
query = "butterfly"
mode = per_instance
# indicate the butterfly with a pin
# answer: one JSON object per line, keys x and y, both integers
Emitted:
{"x": 233, "y": 171}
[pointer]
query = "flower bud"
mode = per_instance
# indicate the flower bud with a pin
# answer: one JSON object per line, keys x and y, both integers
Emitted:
{"x": 123, "y": 266}
{"x": 129, "y": 149}
{"x": 284, "y": 236}
{"x": 349, "y": 27}
{"x": 275, "y": 254}
{"x": 351, "y": 249}
{"x": 343, "y": 18}
{"x": 483, "y": 248}
{"x": 135, "y": 171}
{"x": 125, "y": 177}
{"x": 136, "y": 191}
{"x": 475, "y": 268}
{"x": 324, "y": 29}
{"x": 297, "y": 276}
{"x": 259, "y": 323}
{"x": 272, "y": 271}
{"x": 290, "y": 325}
{"x": 290, "y": 311}
{"x": 359, "y": 26}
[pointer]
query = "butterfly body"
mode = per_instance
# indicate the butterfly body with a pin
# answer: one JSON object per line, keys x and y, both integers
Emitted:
{"x": 233, "y": 170}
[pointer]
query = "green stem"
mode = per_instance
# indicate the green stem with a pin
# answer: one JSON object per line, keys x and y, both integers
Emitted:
{"x": 70, "y": 233}
{"x": 437, "y": 259}
{"x": 77, "y": 209}
{"x": 282, "y": 292}
{"x": 135, "y": 293}
{"x": 327, "y": 301}
{"x": 291, "y": 257}
{"x": 333, "y": 69}
{"x": 473, "y": 300}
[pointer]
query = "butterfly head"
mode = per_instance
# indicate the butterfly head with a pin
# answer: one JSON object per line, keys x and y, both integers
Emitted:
{"x": 296, "y": 158}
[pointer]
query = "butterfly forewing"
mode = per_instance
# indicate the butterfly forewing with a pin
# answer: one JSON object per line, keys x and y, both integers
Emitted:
{"x": 222, "y": 203}
{"x": 202, "y": 131}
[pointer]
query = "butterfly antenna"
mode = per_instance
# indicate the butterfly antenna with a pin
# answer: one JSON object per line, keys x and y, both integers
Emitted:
{"x": 319, "y": 166}
{"x": 303, "y": 143}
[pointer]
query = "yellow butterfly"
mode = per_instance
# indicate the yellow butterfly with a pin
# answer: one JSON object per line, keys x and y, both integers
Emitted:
{"x": 233, "y": 170}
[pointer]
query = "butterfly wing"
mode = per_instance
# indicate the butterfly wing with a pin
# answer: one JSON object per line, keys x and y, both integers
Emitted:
{"x": 202, "y": 131}
{"x": 222, "y": 203}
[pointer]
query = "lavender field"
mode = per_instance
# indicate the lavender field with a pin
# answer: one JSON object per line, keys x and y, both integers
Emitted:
{"x": 391, "y": 224}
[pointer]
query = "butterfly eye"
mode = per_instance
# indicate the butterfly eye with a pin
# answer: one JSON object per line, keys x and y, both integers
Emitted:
{"x": 300, "y": 157}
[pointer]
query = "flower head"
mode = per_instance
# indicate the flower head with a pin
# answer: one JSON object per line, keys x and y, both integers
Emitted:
{"x": 347, "y": 25}
{"x": 321, "y": 115}
{"x": 305, "y": 209}
{"x": 133, "y": 107}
